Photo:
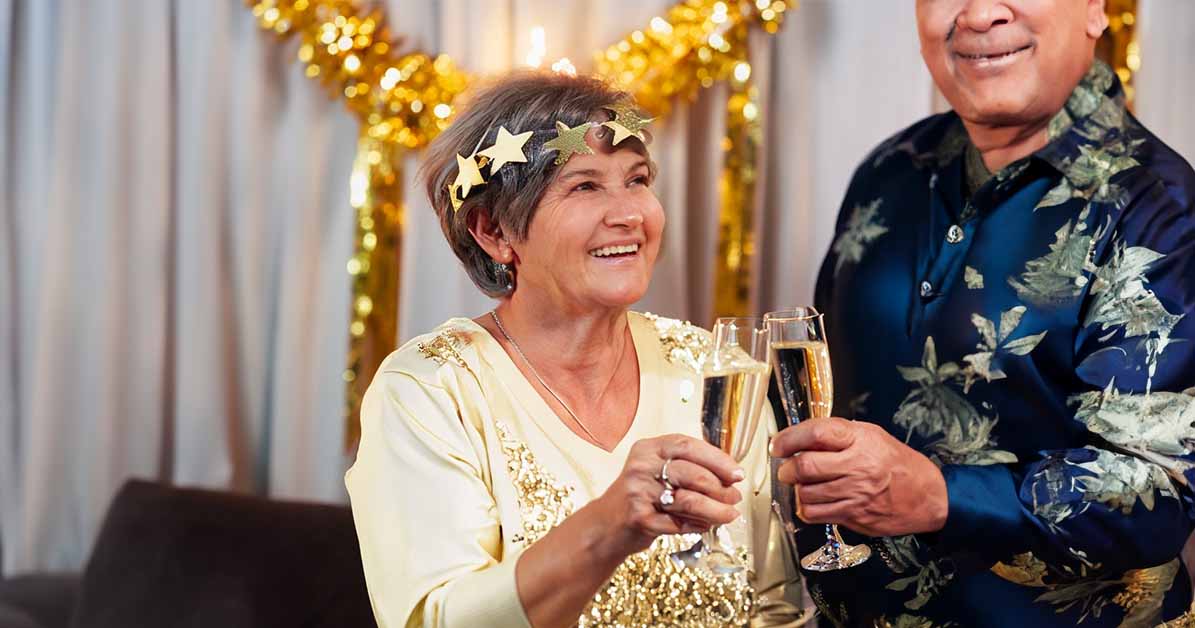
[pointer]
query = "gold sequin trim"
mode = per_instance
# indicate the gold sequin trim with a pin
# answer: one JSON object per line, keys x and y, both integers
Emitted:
{"x": 543, "y": 501}
{"x": 445, "y": 347}
{"x": 649, "y": 590}
{"x": 683, "y": 342}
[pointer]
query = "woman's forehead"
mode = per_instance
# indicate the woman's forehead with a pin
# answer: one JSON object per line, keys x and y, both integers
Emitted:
{"x": 616, "y": 158}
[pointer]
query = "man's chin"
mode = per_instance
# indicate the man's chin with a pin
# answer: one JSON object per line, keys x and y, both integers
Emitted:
{"x": 997, "y": 107}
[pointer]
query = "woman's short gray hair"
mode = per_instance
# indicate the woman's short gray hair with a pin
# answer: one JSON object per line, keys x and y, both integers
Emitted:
{"x": 520, "y": 101}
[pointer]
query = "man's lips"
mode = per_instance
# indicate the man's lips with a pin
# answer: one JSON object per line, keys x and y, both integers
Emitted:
{"x": 991, "y": 55}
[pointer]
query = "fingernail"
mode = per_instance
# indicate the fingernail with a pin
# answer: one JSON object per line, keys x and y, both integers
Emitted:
{"x": 738, "y": 475}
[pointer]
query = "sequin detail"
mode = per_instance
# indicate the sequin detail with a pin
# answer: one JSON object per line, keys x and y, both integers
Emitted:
{"x": 683, "y": 343}
{"x": 649, "y": 590}
{"x": 543, "y": 501}
{"x": 445, "y": 347}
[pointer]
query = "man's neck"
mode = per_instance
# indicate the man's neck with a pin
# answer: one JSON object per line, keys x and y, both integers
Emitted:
{"x": 1002, "y": 145}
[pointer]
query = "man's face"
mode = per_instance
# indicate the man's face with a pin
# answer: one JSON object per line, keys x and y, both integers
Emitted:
{"x": 1008, "y": 62}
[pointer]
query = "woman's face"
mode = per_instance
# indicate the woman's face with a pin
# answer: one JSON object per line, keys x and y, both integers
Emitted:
{"x": 596, "y": 233}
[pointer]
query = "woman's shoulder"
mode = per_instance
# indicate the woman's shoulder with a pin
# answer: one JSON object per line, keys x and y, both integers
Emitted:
{"x": 451, "y": 345}
{"x": 681, "y": 342}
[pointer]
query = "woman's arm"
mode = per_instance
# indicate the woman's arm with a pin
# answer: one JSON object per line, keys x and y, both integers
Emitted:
{"x": 430, "y": 534}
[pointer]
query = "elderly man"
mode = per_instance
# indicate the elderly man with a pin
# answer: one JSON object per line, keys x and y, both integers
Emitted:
{"x": 1009, "y": 298}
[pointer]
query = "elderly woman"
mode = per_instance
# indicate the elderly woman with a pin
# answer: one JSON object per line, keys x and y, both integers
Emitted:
{"x": 537, "y": 465}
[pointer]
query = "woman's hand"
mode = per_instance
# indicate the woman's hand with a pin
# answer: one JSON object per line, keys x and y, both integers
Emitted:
{"x": 558, "y": 574}
{"x": 703, "y": 496}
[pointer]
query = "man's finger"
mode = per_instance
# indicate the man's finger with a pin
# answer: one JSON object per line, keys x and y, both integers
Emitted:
{"x": 814, "y": 467}
{"x": 822, "y": 434}
{"x": 824, "y": 492}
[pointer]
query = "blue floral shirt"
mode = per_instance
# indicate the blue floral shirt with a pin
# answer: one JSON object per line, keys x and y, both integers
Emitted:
{"x": 1035, "y": 339}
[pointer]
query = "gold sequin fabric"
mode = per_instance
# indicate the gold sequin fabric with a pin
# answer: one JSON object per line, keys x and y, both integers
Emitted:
{"x": 649, "y": 590}
{"x": 445, "y": 347}
{"x": 543, "y": 501}
{"x": 684, "y": 343}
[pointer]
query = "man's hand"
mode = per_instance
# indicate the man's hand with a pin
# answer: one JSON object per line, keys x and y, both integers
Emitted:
{"x": 857, "y": 475}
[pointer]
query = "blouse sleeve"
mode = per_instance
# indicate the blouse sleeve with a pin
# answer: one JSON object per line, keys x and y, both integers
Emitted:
{"x": 425, "y": 516}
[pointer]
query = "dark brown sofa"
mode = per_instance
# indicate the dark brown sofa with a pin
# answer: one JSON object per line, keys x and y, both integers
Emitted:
{"x": 189, "y": 559}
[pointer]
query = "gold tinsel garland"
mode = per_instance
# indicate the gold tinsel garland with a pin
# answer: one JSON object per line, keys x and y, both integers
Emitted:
{"x": 405, "y": 100}
{"x": 697, "y": 44}
{"x": 1119, "y": 47}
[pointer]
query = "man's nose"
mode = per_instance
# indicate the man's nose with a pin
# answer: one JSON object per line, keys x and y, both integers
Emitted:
{"x": 982, "y": 15}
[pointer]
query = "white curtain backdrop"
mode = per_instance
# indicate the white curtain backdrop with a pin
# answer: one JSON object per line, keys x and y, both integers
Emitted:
{"x": 1166, "y": 82}
{"x": 174, "y": 224}
{"x": 175, "y": 229}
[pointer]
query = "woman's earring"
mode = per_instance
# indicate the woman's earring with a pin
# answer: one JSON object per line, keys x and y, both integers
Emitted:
{"x": 504, "y": 274}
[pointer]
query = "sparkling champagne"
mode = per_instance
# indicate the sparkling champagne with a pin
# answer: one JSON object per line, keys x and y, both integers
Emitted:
{"x": 804, "y": 378}
{"x": 731, "y": 400}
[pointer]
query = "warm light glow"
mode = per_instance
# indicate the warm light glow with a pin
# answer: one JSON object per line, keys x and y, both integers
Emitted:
{"x": 564, "y": 66}
{"x": 539, "y": 47}
{"x": 742, "y": 71}
{"x": 358, "y": 186}
{"x": 442, "y": 111}
{"x": 660, "y": 25}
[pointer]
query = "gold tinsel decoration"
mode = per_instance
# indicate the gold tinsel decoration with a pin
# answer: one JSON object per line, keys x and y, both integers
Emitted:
{"x": 405, "y": 100}
{"x": 696, "y": 44}
{"x": 1118, "y": 47}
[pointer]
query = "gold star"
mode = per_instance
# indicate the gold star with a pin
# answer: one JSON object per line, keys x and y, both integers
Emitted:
{"x": 456, "y": 200}
{"x": 569, "y": 141}
{"x": 627, "y": 122}
{"x": 468, "y": 175}
{"x": 506, "y": 149}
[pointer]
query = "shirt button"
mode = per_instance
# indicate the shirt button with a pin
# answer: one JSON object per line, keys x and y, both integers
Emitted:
{"x": 954, "y": 234}
{"x": 927, "y": 289}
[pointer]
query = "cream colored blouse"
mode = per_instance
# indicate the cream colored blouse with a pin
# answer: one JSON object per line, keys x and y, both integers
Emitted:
{"x": 462, "y": 466}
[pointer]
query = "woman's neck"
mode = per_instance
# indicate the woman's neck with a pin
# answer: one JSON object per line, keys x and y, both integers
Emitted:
{"x": 576, "y": 346}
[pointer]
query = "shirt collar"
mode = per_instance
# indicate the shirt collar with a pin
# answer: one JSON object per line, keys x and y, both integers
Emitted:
{"x": 1094, "y": 116}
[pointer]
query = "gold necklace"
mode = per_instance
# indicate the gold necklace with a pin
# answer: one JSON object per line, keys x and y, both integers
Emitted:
{"x": 498, "y": 322}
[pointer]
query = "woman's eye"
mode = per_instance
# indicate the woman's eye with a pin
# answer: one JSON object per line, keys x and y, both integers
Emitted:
{"x": 640, "y": 180}
{"x": 587, "y": 186}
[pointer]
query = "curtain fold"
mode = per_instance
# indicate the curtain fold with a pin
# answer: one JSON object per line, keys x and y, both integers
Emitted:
{"x": 1166, "y": 81}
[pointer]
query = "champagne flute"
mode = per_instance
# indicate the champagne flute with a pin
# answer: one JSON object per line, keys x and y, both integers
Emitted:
{"x": 801, "y": 361}
{"x": 735, "y": 386}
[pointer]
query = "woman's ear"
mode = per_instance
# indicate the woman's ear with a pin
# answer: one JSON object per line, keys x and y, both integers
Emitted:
{"x": 490, "y": 237}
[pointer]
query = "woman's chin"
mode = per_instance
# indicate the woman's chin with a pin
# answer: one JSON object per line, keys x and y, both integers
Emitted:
{"x": 621, "y": 297}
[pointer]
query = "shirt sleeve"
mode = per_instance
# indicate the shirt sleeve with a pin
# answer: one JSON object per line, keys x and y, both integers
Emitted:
{"x": 425, "y": 517}
{"x": 1123, "y": 501}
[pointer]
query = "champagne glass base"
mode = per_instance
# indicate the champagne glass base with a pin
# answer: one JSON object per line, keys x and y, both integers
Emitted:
{"x": 826, "y": 558}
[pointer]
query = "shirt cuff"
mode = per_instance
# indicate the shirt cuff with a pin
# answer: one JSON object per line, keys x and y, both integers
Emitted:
{"x": 983, "y": 503}
{"x": 489, "y": 597}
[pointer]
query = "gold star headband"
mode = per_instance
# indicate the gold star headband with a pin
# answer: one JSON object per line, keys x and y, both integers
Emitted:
{"x": 508, "y": 148}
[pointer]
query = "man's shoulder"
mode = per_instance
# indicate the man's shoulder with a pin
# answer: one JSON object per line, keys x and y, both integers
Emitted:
{"x": 1162, "y": 164}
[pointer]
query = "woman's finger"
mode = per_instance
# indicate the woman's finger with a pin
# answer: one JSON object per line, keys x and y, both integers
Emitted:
{"x": 699, "y": 508}
{"x": 685, "y": 474}
{"x": 699, "y": 452}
